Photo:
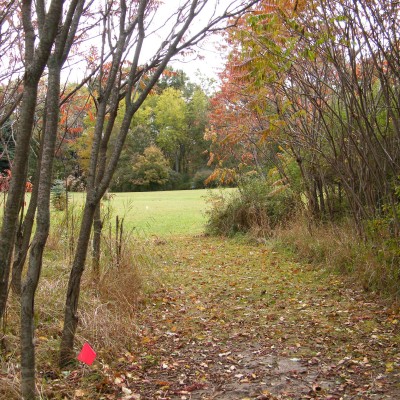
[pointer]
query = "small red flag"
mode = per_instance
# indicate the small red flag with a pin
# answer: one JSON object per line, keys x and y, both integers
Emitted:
{"x": 87, "y": 354}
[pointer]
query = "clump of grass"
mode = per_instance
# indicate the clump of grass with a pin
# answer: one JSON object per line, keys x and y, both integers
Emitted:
{"x": 65, "y": 229}
{"x": 9, "y": 389}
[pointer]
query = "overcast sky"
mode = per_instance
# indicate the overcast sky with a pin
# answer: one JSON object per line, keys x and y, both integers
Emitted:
{"x": 206, "y": 59}
{"x": 210, "y": 61}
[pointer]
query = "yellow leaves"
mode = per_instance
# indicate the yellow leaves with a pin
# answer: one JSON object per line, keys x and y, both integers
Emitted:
{"x": 163, "y": 384}
{"x": 211, "y": 159}
{"x": 222, "y": 175}
{"x": 210, "y": 134}
{"x": 147, "y": 340}
{"x": 389, "y": 367}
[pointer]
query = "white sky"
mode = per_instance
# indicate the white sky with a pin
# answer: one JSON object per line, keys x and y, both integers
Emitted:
{"x": 210, "y": 61}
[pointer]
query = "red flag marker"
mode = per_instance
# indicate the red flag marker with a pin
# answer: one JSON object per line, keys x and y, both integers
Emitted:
{"x": 87, "y": 354}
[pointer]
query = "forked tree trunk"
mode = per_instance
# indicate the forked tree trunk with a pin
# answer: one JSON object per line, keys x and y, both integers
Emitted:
{"x": 62, "y": 46}
{"x": 17, "y": 189}
{"x": 35, "y": 60}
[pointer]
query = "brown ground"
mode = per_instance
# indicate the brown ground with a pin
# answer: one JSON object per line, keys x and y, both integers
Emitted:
{"x": 233, "y": 320}
{"x": 238, "y": 321}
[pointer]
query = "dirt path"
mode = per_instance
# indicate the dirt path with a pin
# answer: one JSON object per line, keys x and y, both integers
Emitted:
{"x": 236, "y": 321}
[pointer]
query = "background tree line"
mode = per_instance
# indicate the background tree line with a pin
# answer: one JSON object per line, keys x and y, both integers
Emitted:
{"x": 169, "y": 128}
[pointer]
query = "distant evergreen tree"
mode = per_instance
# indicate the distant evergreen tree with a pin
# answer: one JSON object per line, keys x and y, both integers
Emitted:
{"x": 7, "y": 145}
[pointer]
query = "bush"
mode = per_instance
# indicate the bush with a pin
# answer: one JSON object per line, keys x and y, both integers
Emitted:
{"x": 151, "y": 170}
{"x": 256, "y": 208}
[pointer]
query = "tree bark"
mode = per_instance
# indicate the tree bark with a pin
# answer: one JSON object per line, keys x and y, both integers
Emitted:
{"x": 42, "y": 230}
{"x": 71, "y": 305}
{"x": 36, "y": 61}
{"x": 16, "y": 192}
{"x": 41, "y": 234}
{"x": 96, "y": 245}
{"x": 56, "y": 60}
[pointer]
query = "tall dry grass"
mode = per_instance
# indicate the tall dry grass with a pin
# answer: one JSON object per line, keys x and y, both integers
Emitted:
{"x": 337, "y": 247}
{"x": 108, "y": 308}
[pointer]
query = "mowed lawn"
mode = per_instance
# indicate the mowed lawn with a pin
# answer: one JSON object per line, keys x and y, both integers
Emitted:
{"x": 167, "y": 213}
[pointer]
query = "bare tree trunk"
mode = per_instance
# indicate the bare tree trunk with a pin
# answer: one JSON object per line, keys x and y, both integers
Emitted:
{"x": 96, "y": 244}
{"x": 16, "y": 192}
{"x": 71, "y": 306}
{"x": 62, "y": 46}
{"x": 42, "y": 230}
{"x": 35, "y": 61}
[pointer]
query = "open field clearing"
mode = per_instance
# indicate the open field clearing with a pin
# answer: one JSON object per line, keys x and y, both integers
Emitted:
{"x": 166, "y": 213}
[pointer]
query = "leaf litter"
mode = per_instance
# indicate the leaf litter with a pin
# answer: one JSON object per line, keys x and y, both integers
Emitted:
{"x": 238, "y": 321}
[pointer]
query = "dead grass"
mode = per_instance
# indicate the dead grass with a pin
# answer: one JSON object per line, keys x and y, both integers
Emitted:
{"x": 107, "y": 310}
{"x": 9, "y": 390}
{"x": 338, "y": 248}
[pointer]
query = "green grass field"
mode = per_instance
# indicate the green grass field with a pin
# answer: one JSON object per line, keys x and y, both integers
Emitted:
{"x": 166, "y": 213}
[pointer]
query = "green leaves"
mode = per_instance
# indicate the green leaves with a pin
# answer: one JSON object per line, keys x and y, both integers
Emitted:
{"x": 151, "y": 168}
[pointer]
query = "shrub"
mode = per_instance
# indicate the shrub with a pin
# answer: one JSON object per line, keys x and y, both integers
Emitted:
{"x": 151, "y": 170}
{"x": 257, "y": 207}
{"x": 337, "y": 247}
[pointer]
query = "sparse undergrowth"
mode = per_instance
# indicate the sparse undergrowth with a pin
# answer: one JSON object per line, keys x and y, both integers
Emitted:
{"x": 223, "y": 320}
{"x": 269, "y": 212}
{"x": 337, "y": 247}
{"x": 106, "y": 315}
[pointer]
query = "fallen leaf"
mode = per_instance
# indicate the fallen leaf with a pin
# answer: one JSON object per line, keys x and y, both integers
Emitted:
{"x": 389, "y": 367}
{"x": 126, "y": 391}
{"x": 79, "y": 393}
